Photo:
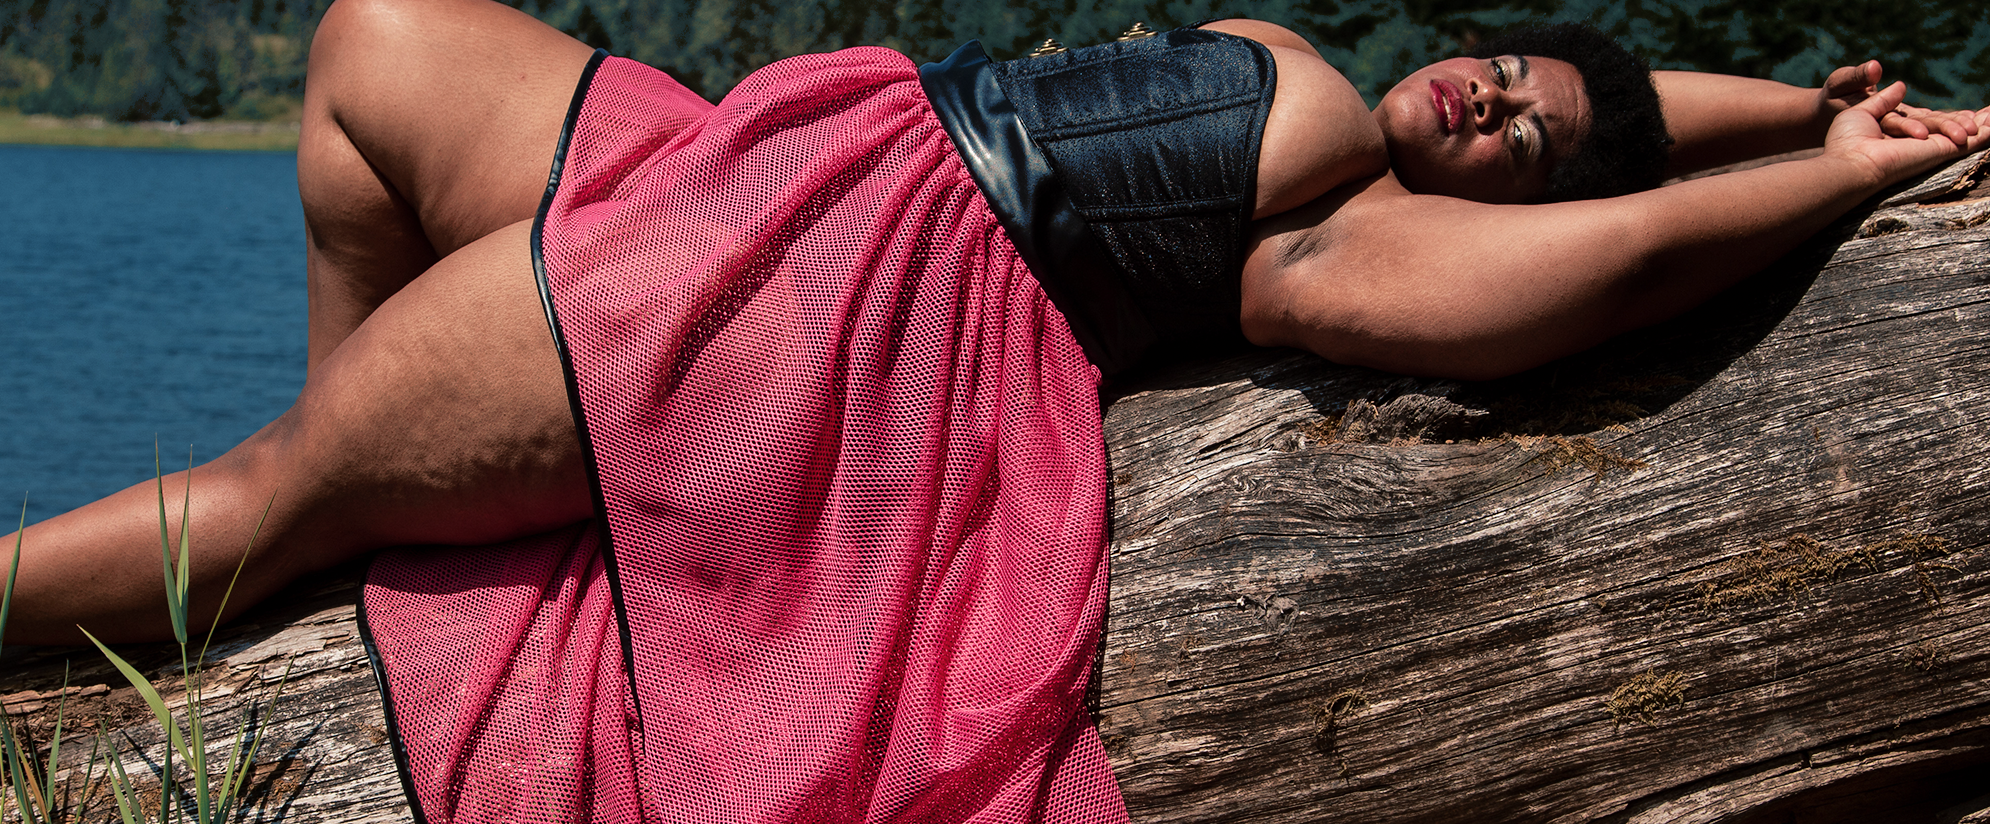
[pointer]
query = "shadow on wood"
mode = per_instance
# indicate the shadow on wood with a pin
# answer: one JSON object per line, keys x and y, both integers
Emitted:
{"x": 1726, "y": 569}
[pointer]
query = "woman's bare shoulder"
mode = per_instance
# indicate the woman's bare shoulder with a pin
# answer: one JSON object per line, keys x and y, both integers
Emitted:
{"x": 1320, "y": 135}
{"x": 1270, "y": 34}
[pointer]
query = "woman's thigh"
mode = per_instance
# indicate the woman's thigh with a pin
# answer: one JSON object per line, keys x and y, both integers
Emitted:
{"x": 442, "y": 419}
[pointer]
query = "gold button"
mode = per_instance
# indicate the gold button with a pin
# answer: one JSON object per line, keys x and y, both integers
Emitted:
{"x": 1049, "y": 48}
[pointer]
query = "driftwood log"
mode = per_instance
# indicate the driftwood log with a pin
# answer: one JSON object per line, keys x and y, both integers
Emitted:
{"x": 1728, "y": 569}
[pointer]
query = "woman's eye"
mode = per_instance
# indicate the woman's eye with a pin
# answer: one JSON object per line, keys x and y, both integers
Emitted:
{"x": 1519, "y": 139}
{"x": 1499, "y": 74}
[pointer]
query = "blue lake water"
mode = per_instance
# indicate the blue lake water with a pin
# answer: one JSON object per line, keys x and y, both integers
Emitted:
{"x": 143, "y": 295}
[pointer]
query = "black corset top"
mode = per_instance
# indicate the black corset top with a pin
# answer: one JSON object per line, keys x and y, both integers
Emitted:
{"x": 1125, "y": 173}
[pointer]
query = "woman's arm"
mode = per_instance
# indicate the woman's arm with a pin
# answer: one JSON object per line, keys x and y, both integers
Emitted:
{"x": 1375, "y": 276}
{"x": 1719, "y": 119}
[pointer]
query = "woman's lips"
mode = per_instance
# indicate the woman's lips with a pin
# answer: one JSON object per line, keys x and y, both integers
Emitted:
{"x": 1450, "y": 105}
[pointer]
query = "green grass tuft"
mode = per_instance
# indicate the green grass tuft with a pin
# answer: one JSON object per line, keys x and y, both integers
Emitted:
{"x": 218, "y": 786}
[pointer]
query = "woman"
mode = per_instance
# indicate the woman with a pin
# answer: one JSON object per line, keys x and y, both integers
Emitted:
{"x": 843, "y": 449}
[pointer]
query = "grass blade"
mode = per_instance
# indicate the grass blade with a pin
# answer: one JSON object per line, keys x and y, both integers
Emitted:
{"x": 202, "y": 801}
{"x": 240, "y": 782}
{"x": 17, "y": 765}
{"x": 232, "y": 774}
{"x": 184, "y": 566}
{"x": 127, "y": 801}
{"x": 14, "y": 570}
{"x": 173, "y": 606}
{"x": 243, "y": 561}
{"x": 146, "y": 691}
{"x": 55, "y": 746}
{"x": 90, "y": 768}
{"x": 197, "y": 753}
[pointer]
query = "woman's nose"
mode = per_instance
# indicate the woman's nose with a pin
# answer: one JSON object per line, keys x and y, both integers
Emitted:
{"x": 1489, "y": 103}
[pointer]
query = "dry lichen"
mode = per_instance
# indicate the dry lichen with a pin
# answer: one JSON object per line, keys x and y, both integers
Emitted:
{"x": 1788, "y": 567}
{"x": 1972, "y": 221}
{"x": 1403, "y": 420}
{"x": 1923, "y": 549}
{"x": 1330, "y": 715}
{"x": 1882, "y": 226}
{"x": 1914, "y": 545}
{"x": 1927, "y": 656}
{"x": 1324, "y": 430}
{"x": 1116, "y": 744}
{"x": 1924, "y": 579}
{"x": 1643, "y": 697}
{"x": 1791, "y": 567}
{"x": 1344, "y": 704}
{"x": 1560, "y": 452}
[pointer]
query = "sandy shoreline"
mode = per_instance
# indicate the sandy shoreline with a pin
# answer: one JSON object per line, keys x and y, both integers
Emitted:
{"x": 96, "y": 131}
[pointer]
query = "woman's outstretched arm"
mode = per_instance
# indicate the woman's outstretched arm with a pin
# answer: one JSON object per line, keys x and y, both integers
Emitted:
{"x": 1720, "y": 119}
{"x": 1375, "y": 276}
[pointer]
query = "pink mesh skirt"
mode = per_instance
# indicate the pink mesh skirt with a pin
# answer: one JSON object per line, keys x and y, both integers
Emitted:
{"x": 848, "y": 457}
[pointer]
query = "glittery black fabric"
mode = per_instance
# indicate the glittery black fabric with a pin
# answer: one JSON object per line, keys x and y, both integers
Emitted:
{"x": 1153, "y": 144}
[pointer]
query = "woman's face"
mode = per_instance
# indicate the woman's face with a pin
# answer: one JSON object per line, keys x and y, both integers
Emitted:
{"x": 1484, "y": 130}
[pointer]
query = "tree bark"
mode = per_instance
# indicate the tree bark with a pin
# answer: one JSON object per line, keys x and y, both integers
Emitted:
{"x": 1727, "y": 569}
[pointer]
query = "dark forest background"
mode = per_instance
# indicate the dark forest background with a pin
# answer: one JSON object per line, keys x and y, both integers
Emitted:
{"x": 134, "y": 60}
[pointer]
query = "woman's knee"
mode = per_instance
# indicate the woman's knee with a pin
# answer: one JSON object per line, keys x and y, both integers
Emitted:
{"x": 415, "y": 86}
{"x": 352, "y": 41}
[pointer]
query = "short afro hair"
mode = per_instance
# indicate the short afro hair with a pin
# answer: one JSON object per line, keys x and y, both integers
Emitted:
{"x": 1627, "y": 146}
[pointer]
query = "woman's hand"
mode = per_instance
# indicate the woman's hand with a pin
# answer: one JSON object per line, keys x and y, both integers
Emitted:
{"x": 1894, "y": 140}
{"x": 1851, "y": 85}
{"x": 1847, "y": 87}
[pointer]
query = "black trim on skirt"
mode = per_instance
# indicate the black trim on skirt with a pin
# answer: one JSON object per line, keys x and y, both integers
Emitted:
{"x": 396, "y": 742}
{"x": 399, "y": 749}
{"x": 573, "y": 381}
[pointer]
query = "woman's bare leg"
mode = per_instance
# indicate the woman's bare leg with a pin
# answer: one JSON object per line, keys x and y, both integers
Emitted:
{"x": 442, "y": 419}
{"x": 434, "y": 410}
{"x": 427, "y": 124}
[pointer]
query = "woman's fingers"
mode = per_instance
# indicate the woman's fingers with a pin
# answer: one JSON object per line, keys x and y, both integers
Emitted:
{"x": 1852, "y": 84}
{"x": 1846, "y": 87}
{"x": 1897, "y": 124}
{"x": 1906, "y": 121}
{"x": 1856, "y": 134}
{"x": 1918, "y": 123}
{"x": 1882, "y": 102}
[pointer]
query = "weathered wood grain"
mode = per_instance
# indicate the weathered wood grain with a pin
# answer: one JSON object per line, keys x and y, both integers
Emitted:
{"x": 1730, "y": 569}
{"x": 1760, "y": 528}
{"x": 325, "y": 757}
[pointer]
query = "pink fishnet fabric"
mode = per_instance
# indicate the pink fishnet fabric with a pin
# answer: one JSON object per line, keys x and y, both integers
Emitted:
{"x": 504, "y": 667}
{"x": 851, "y": 462}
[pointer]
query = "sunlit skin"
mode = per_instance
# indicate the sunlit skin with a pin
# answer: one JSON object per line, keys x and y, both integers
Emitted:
{"x": 434, "y": 410}
{"x": 1484, "y": 130}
